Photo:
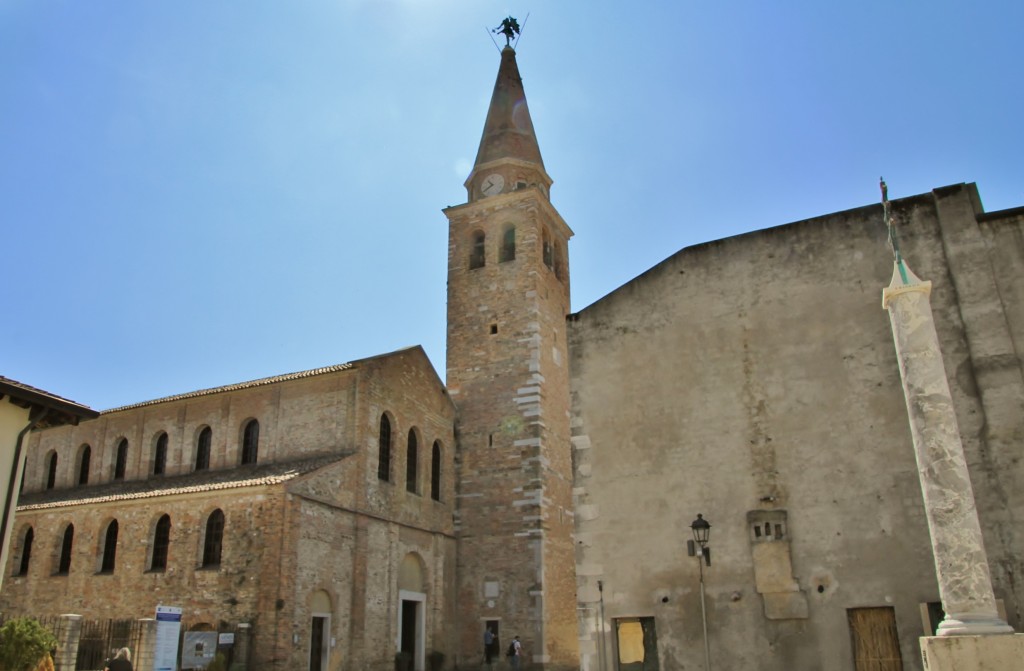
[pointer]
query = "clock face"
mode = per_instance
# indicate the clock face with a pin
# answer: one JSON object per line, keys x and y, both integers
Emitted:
{"x": 493, "y": 184}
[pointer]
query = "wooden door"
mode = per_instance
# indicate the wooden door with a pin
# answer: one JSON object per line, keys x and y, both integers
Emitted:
{"x": 875, "y": 641}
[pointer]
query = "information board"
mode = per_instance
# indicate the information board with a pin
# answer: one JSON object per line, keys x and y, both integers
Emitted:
{"x": 168, "y": 628}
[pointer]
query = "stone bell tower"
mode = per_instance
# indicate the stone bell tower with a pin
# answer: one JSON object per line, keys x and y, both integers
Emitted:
{"x": 508, "y": 297}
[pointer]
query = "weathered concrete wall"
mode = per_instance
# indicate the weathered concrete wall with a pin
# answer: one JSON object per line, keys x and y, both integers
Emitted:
{"x": 758, "y": 373}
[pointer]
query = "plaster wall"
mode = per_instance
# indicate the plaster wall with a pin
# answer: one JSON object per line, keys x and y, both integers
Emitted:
{"x": 758, "y": 373}
{"x": 12, "y": 421}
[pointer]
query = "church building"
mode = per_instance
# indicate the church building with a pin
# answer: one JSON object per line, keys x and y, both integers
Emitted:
{"x": 369, "y": 514}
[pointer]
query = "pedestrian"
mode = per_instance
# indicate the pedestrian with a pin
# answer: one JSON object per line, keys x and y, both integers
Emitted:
{"x": 515, "y": 652}
{"x": 488, "y": 645}
{"x": 122, "y": 661}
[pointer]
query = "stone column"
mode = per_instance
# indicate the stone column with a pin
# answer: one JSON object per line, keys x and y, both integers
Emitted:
{"x": 144, "y": 655}
{"x": 69, "y": 634}
{"x": 961, "y": 564}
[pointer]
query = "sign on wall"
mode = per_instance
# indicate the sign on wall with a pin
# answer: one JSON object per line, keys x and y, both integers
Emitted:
{"x": 198, "y": 649}
{"x": 168, "y": 628}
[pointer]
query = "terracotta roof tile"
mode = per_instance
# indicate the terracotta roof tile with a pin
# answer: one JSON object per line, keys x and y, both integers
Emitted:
{"x": 235, "y": 387}
{"x": 199, "y": 481}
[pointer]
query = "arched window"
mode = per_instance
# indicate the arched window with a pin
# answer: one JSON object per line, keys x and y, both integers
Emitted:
{"x": 84, "y": 456}
{"x": 508, "y": 245}
{"x": 161, "y": 543}
{"x": 214, "y": 538}
{"x": 477, "y": 256}
{"x": 51, "y": 470}
{"x": 410, "y": 463}
{"x": 121, "y": 463}
{"x": 250, "y": 442}
{"x": 435, "y": 472}
{"x": 109, "y": 548}
{"x": 64, "y": 561}
{"x": 26, "y": 552}
{"x": 203, "y": 449}
{"x": 547, "y": 249}
{"x": 160, "y": 454}
{"x": 384, "y": 450}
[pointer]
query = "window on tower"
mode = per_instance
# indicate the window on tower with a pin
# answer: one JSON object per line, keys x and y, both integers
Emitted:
{"x": 547, "y": 249}
{"x": 384, "y": 450}
{"x": 476, "y": 257}
{"x": 508, "y": 245}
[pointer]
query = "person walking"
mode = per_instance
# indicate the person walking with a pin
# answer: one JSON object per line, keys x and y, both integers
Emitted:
{"x": 515, "y": 650}
{"x": 122, "y": 661}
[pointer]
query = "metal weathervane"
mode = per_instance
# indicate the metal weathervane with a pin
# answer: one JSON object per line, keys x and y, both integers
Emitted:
{"x": 893, "y": 241}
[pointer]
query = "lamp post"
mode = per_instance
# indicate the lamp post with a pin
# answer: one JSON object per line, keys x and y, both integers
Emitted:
{"x": 701, "y": 531}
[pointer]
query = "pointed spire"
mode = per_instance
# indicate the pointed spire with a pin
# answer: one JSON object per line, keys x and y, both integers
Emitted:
{"x": 508, "y": 131}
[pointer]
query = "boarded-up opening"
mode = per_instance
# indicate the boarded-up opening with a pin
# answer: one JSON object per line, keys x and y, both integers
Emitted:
{"x": 637, "y": 644}
{"x": 875, "y": 641}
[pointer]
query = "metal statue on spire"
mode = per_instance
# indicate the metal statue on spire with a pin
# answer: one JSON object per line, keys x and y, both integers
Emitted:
{"x": 893, "y": 242}
{"x": 509, "y": 28}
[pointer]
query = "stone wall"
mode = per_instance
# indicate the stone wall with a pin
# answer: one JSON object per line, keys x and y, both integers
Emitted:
{"x": 310, "y": 523}
{"x": 756, "y": 377}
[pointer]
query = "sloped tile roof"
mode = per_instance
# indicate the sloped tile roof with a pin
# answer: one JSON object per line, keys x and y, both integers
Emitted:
{"x": 196, "y": 482}
{"x": 237, "y": 386}
{"x": 62, "y": 410}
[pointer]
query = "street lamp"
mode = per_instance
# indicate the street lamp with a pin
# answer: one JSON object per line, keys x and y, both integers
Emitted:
{"x": 701, "y": 532}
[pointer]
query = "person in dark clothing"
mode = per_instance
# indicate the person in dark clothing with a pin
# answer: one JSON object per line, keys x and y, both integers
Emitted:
{"x": 121, "y": 662}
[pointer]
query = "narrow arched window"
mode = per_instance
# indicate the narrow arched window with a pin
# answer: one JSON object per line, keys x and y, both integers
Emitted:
{"x": 384, "y": 450}
{"x": 477, "y": 257}
{"x": 508, "y": 245}
{"x": 410, "y": 463}
{"x": 26, "y": 552}
{"x": 64, "y": 562}
{"x": 547, "y": 251}
{"x": 109, "y": 548}
{"x": 214, "y": 538}
{"x": 121, "y": 462}
{"x": 51, "y": 470}
{"x": 84, "y": 457}
{"x": 250, "y": 442}
{"x": 161, "y": 544}
{"x": 435, "y": 472}
{"x": 160, "y": 454}
{"x": 203, "y": 445}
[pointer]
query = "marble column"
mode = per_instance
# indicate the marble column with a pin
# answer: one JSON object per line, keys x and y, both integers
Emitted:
{"x": 961, "y": 564}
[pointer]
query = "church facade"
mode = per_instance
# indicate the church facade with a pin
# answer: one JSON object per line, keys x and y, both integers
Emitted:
{"x": 547, "y": 488}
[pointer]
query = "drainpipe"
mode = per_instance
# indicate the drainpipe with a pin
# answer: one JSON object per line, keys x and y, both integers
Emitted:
{"x": 9, "y": 503}
{"x": 601, "y": 652}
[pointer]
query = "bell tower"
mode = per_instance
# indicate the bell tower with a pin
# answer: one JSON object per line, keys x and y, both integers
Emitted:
{"x": 508, "y": 297}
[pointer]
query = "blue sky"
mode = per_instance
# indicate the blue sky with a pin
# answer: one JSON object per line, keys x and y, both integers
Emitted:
{"x": 201, "y": 193}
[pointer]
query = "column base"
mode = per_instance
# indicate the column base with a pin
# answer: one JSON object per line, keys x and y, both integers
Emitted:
{"x": 972, "y": 624}
{"x": 973, "y": 653}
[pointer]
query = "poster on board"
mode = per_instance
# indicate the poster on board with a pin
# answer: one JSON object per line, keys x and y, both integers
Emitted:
{"x": 168, "y": 628}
